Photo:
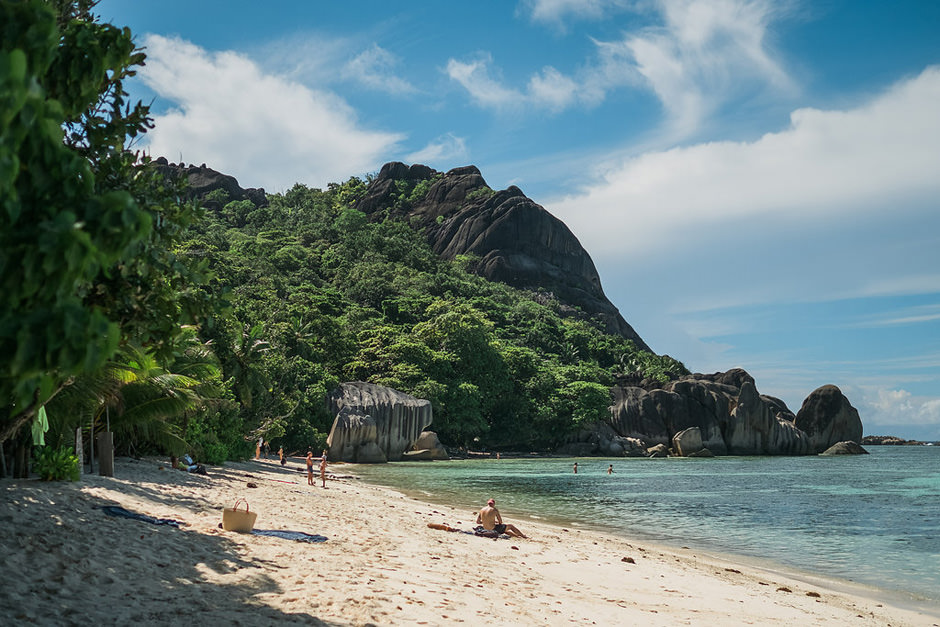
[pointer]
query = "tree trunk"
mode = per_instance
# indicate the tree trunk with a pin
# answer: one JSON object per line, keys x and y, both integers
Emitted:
{"x": 21, "y": 461}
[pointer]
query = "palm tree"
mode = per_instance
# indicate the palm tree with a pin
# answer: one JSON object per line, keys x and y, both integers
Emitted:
{"x": 143, "y": 402}
{"x": 245, "y": 367}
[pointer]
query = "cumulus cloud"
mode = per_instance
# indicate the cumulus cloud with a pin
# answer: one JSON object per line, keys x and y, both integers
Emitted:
{"x": 445, "y": 149}
{"x": 826, "y": 164}
{"x": 702, "y": 54}
{"x": 898, "y": 406}
{"x": 262, "y": 128}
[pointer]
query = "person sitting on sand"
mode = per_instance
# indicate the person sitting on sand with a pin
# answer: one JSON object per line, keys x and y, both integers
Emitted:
{"x": 309, "y": 467}
{"x": 491, "y": 520}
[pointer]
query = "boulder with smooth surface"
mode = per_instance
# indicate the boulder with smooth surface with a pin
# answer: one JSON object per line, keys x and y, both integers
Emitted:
{"x": 372, "y": 422}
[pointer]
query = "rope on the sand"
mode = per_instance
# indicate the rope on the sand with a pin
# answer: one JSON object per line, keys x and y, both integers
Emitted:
{"x": 120, "y": 512}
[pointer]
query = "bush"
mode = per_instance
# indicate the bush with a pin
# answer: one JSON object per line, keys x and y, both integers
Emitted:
{"x": 56, "y": 464}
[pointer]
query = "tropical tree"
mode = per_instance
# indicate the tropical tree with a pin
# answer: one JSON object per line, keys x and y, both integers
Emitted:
{"x": 145, "y": 404}
{"x": 86, "y": 227}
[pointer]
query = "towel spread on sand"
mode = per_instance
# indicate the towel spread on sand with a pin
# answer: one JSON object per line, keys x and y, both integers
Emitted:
{"x": 299, "y": 536}
{"x": 114, "y": 510}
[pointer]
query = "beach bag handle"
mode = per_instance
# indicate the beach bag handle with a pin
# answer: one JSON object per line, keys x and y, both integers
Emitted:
{"x": 235, "y": 507}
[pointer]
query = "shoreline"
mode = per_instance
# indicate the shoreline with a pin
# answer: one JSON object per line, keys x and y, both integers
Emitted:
{"x": 68, "y": 563}
{"x": 770, "y": 568}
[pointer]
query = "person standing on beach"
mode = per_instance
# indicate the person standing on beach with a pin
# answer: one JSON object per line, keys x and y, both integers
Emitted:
{"x": 309, "y": 467}
{"x": 491, "y": 520}
{"x": 258, "y": 448}
{"x": 323, "y": 468}
{"x": 280, "y": 455}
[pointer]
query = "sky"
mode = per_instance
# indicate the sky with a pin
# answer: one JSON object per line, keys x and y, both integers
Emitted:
{"x": 757, "y": 181}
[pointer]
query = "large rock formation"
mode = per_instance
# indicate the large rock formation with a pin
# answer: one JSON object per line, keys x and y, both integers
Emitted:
{"x": 828, "y": 418}
{"x": 374, "y": 423}
{"x": 688, "y": 442}
{"x": 201, "y": 180}
{"x": 845, "y": 448}
{"x": 427, "y": 448}
{"x": 601, "y": 439}
{"x": 516, "y": 241}
{"x": 763, "y": 426}
{"x": 725, "y": 414}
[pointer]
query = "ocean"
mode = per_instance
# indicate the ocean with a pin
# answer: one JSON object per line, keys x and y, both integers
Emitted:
{"x": 872, "y": 520}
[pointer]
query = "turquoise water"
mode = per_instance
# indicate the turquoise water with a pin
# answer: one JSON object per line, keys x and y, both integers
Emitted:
{"x": 869, "y": 519}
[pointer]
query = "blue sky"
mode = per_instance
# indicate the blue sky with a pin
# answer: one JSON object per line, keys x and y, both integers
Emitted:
{"x": 758, "y": 182}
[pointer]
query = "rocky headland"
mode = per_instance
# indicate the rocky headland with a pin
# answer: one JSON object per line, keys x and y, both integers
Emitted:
{"x": 716, "y": 414}
{"x": 890, "y": 440}
{"x": 512, "y": 239}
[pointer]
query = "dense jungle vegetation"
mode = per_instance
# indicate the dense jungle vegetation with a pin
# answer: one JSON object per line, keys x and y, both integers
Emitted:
{"x": 199, "y": 326}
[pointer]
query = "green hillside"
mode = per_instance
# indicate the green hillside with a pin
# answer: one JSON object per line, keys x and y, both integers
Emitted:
{"x": 189, "y": 328}
{"x": 319, "y": 294}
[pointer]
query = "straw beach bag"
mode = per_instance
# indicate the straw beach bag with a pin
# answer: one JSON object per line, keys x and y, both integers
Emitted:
{"x": 234, "y": 519}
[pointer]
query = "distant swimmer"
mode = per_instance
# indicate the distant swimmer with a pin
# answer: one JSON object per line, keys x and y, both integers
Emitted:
{"x": 576, "y": 468}
{"x": 491, "y": 520}
{"x": 610, "y": 469}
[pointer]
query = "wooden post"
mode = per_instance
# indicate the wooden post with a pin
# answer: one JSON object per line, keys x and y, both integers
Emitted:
{"x": 91, "y": 447}
{"x": 79, "y": 451}
{"x": 106, "y": 454}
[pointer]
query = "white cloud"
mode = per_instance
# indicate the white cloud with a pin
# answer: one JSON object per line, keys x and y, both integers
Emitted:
{"x": 912, "y": 315}
{"x": 826, "y": 165}
{"x": 263, "y": 129}
{"x": 555, "y": 11}
{"x": 897, "y": 406}
{"x": 704, "y": 53}
{"x": 446, "y": 149}
{"x": 308, "y": 57}
{"x": 553, "y": 90}
{"x": 374, "y": 68}
{"x": 549, "y": 89}
{"x": 475, "y": 77}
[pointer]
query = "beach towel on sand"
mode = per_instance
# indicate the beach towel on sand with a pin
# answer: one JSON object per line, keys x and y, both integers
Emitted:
{"x": 120, "y": 512}
{"x": 298, "y": 536}
{"x": 478, "y": 531}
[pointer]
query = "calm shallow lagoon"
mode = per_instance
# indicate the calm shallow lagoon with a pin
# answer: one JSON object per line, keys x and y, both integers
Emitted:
{"x": 869, "y": 519}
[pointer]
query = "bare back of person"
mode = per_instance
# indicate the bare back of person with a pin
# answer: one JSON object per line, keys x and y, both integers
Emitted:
{"x": 489, "y": 517}
{"x": 491, "y": 520}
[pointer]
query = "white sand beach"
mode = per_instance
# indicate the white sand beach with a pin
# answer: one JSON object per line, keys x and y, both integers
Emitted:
{"x": 67, "y": 563}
